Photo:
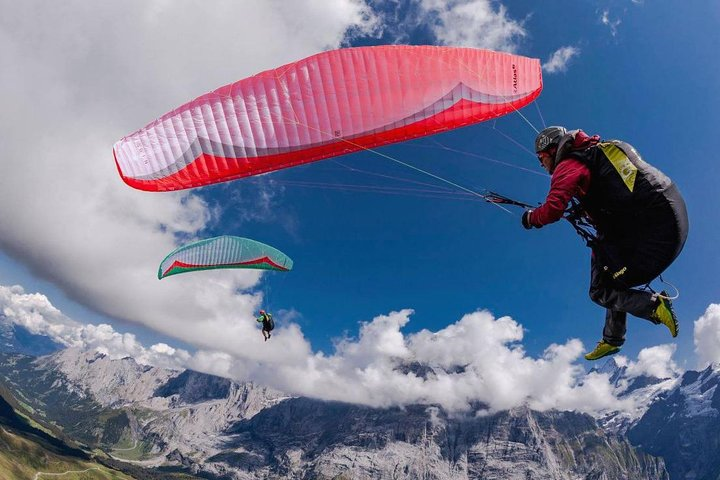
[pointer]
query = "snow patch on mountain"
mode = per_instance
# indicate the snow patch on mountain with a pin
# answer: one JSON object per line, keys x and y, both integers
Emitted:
{"x": 640, "y": 390}
{"x": 698, "y": 392}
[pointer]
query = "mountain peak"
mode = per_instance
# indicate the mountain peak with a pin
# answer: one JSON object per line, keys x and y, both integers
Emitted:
{"x": 111, "y": 381}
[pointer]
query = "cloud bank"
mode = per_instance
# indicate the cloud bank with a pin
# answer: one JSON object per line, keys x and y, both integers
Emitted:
{"x": 84, "y": 74}
{"x": 477, "y": 360}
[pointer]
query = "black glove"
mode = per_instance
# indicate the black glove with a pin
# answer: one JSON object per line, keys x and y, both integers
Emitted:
{"x": 526, "y": 219}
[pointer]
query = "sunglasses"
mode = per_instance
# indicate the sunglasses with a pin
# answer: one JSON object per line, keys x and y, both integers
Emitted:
{"x": 545, "y": 154}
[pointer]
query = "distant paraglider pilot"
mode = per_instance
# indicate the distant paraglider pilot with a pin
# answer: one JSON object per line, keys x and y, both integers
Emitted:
{"x": 268, "y": 324}
{"x": 638, "y": 216}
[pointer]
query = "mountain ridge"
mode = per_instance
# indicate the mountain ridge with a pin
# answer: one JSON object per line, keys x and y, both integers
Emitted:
{"x": 213, "y": 426}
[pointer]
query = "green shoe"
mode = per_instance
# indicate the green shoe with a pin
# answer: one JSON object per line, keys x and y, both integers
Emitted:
{"x": 665, "y": 314}
{"x": 603, "y": 349}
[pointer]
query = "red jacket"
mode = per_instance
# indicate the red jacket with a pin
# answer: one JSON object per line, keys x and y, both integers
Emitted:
{"x": 571, "y": 178}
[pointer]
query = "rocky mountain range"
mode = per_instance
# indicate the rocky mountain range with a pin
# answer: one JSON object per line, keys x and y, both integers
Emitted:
{"x": 154, "y": 420}
{"x": 205, "y": 425}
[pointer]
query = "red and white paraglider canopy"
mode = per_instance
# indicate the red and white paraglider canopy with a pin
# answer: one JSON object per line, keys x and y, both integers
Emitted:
{"x": 329, "y": 104}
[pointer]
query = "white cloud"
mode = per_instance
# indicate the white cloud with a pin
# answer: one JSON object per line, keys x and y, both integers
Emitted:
{"x": 611, "y": 23}
{"x": 559, "y": 60}
{"x": 473, "y": 23}
{"x": 85, "y": 74}
{"x": 35, "y": 313}
{"x": 706, "y": 334}
{"x": 479, "y": 358}
{"x": 476, "y": 359}
{"x": 653, "y": 361}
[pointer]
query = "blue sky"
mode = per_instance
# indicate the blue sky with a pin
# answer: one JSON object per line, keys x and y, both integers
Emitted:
{"x": 643, "y": 72}
{"x": 367, "y": 253}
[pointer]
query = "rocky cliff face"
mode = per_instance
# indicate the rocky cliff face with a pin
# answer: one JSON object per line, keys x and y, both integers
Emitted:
{"x": 112, "y": 383}
{"x": 304, "y": 438}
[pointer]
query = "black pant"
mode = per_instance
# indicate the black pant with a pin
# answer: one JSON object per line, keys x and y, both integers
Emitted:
{"x": 637, "y": 249}
{"x": 619, "y": 301}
